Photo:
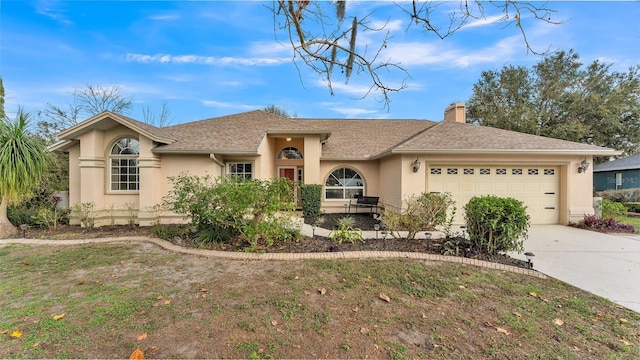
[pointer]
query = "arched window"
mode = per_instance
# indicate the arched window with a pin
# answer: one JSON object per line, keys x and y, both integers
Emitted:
{"x": 343, "y": 183}
{"x": 290, "y": 153}
{"x": 124, "y": 165}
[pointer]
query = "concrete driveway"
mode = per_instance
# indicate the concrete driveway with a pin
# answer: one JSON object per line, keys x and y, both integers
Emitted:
{"x": 605, "y": 265}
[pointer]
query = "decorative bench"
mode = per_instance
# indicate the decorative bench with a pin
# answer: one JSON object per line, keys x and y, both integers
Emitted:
{"x": 370, "y": 202}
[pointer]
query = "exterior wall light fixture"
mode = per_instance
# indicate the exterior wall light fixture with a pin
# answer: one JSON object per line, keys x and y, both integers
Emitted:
{"x": 416, "y": 165}
{"x": 584, "y": 165}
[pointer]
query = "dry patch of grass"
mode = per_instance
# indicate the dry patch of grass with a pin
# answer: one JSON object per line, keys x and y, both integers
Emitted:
{"x": 118, "y": 297}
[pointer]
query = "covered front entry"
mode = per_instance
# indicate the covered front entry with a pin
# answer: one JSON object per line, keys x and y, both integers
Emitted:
{"x": 538, "y": 187}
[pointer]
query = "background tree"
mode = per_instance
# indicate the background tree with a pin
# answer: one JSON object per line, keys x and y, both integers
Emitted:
{"x": 23, "y": 163}
{"x": 87, "y": 102}
{"x": 162, "y": 119}
{"x": 561, "y": 98}
{"x": 276, "y": 110}
{"x": 331, "y": 42}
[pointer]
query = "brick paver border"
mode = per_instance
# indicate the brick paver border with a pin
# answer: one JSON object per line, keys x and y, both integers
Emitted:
{"x": 283, "y": 256}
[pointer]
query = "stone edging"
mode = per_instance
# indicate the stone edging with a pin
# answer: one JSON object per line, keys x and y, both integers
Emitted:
{"x": 283, "y": 256}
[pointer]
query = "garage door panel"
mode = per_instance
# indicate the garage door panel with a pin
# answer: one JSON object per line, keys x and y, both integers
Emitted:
{"x": 537, "y": 187}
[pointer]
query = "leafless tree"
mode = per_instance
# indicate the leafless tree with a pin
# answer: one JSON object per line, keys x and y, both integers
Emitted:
{"x": 326, "y": 39}
{"x": 162, "y": 119}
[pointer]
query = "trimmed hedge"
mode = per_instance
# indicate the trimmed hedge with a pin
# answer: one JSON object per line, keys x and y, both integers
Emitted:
{"x": 311, "y": 197}
{"x": 496, "y": 224}
{"x": 633, "y": 206}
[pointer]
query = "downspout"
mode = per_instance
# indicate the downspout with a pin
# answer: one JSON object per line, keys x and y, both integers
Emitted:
{"x": 217, "y": 161}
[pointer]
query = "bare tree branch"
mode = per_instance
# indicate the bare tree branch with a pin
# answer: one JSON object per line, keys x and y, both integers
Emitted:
{"x": 321, "y": 38}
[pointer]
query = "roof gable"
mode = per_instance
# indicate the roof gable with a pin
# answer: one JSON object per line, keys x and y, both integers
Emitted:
{"x": 239, "y": 133}
{"x": 107, "y": 119}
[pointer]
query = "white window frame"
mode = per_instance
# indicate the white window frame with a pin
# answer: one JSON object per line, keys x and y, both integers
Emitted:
{"x": 343, "y": 187}
{"x": 244, "y": 173}
{"x": 618, "y": 181}
{"x": 116, "y": 162}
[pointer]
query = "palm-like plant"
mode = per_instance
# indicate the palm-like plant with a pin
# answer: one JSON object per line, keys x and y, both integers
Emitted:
{"x": 23, "y": 162}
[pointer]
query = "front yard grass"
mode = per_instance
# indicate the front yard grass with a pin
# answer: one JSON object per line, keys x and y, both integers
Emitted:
{"x": 117, "y": 297}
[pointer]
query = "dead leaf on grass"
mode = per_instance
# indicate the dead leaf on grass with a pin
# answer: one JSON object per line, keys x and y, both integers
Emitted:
{"x": 307, "y": 293}
{"x": 624, "y": 321}
{"x": 364, "y": 330}
{"x": 142, "y": 336}
{"x": 384, "y": 297}
{"x": 533, "y": 294}
{"x": 274, "y": 323}
{"x": 160, "y": 297}
{"x": 626, "y": 342}
{"x": 58, "y": 317}
{"x": 82, "y": 282}
{"x": 167, "y": 302}
{"x": 204, "y": 290}
{"x": 503, "y": 331}
{"x": 355, "y": 309}
{"x": 517, "y": 314}
{"x": 4, "y": 331}
{"x": 16, "y": 334}
{"x": 462, "y": 286}
{"x": 322, "y": 291}
{"x": 137, "y": 354}
{"x": 558, "y": 322}
{"x": 35, "y": 345}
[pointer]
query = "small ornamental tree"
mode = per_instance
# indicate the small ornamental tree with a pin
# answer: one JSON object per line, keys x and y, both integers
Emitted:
{"x": 496, "y": 224}
{"x": 23, "y": 163}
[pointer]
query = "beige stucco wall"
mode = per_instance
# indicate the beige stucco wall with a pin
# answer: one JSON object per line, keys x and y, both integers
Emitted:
{"x": 390, "y": 176}
{"x": 367, "y": 169}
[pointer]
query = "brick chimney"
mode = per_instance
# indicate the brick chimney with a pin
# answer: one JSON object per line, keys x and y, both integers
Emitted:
{"x": 455, "y": 112}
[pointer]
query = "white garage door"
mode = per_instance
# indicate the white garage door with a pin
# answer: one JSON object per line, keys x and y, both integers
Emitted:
{"x": 537, "y": 186}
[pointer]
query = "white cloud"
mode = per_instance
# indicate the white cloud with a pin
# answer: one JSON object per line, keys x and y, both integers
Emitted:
{"x": 52, "y": 10}
{"x": 228, "y": 105}
{"x": 489, "y": 20}
{"x": 205, "y": 60}
{"x": 352, "y": 112}
{"x": 165, "y": 17}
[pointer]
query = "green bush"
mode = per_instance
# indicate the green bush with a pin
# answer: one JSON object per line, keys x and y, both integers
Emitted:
{"x": 612, "y": 209}
{"x": 623, "y": 195}
{"x": 496, "y": 224}
{"x": 346, "y": 231}
{"x": 422, "y": 213}
{"x": 633, "y": 206}
{"x": 311, "y": 197}
{"x": 225, "y": 208}
{"x": 38, "y": 211}
{"x": 85, "y": 212}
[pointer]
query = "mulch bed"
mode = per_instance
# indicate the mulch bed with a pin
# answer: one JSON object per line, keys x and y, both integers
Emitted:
{"x": 364, "y": 222}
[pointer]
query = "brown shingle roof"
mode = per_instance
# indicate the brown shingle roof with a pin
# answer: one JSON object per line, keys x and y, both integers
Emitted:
{"x": 452, "y": 136}
{"x": 239, "y": 133}
{"x": 364, "y": 139}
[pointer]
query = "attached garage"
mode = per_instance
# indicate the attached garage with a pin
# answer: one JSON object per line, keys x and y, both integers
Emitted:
{"x": 538, "y": 187}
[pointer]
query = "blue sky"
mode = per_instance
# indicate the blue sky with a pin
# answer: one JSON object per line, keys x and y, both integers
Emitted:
{"x": 214, "y": 58}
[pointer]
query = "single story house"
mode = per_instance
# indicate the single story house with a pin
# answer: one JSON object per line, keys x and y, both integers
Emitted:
{"x": 618, "y": 174}
{"x": 117, "y": 162}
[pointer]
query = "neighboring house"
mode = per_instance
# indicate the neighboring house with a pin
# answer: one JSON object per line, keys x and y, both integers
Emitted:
{"x": 617, "y": 174}
{"x": 116, "y": 162}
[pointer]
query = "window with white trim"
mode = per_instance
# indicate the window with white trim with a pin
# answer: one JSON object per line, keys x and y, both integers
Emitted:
{"x": 125, "y": 175}
{"x": 290, "y": 153}
{"x": 243, "y": 170}
{"x": 343, "y": 183}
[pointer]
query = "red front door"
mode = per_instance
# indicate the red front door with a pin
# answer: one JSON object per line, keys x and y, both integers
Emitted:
{"x": 288, "y": 173}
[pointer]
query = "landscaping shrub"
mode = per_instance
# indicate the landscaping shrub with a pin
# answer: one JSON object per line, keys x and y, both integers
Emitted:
{"x": 85, "y": 212}
{"x": 38, "y": 211}
{"x": 624, "y": 195}
{"x": 496, "y": 224}
{"x": 226, "y": 208}
{"x": 422, "y": 213}
{"x": 612, "y": 209}
{"x": 346, "y": 231}
{"x": 311, "y": 197}
{"x": 609, "y": 225}
{"x": 633, "y": 206}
